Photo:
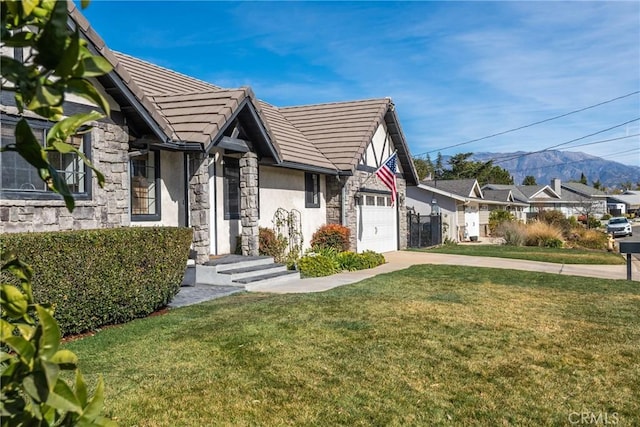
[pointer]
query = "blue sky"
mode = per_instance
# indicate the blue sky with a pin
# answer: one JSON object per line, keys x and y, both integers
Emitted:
{"x": 457, "y": 71}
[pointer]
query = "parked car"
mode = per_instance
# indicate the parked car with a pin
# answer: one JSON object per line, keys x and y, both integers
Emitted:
{"x": 619, "y": 226}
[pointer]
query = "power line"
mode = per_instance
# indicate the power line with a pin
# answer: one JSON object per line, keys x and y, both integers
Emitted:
{"x": 566, "y": 143}
{"x": 531, "y": 124}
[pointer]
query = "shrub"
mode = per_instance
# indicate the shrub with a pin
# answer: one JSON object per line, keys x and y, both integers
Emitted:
{"x": 317, "y": 265}
{"x": 606, "y": 217}
{"x": 34, "y": 389}
{"x": 272, "y": 245}
{"x": 370, "y": 259}
{"x": 556, "y": 219}
{"x": 349, "y": 261}
{"x": 497, "y": 217}
{"x": 352, "y": 261}
{"x": 100, "y": 277}
{"x": 331, "y": 236}
{"x": 543, "y": 234}
{"x": 590, "y": 239}
{"x": 514, "y": 233}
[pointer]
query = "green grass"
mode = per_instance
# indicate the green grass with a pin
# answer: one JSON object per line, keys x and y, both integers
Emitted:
{"x": 533, "y": 253}
{"x": 430, "y": 345}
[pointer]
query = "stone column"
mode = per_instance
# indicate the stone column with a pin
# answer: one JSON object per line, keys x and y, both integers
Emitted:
{"x": 249, "y": 204}
{"x": 199, "y": 205}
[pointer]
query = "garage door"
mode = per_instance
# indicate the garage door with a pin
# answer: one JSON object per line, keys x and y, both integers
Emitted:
{"x": 377, "y": 224}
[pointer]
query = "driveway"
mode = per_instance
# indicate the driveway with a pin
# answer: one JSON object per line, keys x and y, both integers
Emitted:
{"x": 399, "y": 260}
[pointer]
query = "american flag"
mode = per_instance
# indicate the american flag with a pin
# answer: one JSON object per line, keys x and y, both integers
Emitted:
{"x": 387, "y": 174}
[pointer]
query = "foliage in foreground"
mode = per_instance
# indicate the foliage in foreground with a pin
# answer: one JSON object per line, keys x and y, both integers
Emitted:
{"x": 101, "y": 277}
{"x": 430, "y": 345}
{"x": 33, "y": 392}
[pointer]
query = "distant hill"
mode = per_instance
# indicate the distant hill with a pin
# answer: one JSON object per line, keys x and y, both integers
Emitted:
{"x": 566, "y": 165}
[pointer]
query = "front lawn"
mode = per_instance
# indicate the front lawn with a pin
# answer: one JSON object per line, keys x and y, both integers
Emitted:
{"x": 533, "y": 253}
{"x": 429, "y": 345}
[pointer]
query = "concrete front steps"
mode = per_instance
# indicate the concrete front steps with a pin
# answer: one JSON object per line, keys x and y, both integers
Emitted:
{"x": 243, "y": 271}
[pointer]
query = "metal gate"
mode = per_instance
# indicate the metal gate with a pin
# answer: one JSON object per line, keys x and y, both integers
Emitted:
{"x": 423, "y": 230}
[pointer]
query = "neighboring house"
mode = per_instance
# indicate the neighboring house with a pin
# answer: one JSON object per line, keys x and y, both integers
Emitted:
{"x": 572, "y": 199}
{"x": 627, "y": 203}
{"x": 177, "y": 151}
{"x": 502, "y": 200}
{"x": 459, "y": 202}
{"x": 588, "y": 200}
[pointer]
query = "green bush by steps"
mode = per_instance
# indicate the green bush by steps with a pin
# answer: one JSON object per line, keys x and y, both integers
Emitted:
{"x": 100, "y": 277}
{"x": 328, "y": 261}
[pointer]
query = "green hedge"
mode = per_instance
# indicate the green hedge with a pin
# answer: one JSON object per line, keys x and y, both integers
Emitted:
{"x": 100, "y": 277}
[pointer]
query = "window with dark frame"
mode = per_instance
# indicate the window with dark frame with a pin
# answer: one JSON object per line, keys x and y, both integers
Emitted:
{"x": 312, "y": 190}
{"x": 231, "y": 188}
{"x": 19, "y": 178}
{"x": 145, "y": 186}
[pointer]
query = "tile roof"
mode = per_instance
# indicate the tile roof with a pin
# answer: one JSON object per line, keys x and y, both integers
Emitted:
{"x": 329, "y": 136}
{"x": 154, "y": 79}
{"x": 340, "y": 130}
{"x": 118, "y": 68}
{"x": 293, "y": 144}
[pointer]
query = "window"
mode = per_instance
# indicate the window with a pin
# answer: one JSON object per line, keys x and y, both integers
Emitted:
{"x": 312, "y": 190}
{"x": 231, "y": 188}
{"x": 21, "y": 180}
{"x": 145, "y": 186}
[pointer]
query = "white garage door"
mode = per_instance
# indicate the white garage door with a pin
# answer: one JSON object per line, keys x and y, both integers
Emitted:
{"x": 377, "y": 224}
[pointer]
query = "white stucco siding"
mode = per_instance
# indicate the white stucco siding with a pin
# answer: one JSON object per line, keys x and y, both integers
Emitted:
{"x": 379, "y": 149}
{"x": 420, "y": 200}
{"x": 285, "y": 188}
{"x": 172, "y": 203}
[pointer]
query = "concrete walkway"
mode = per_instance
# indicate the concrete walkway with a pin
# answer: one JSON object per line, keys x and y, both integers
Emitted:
{"x": 400, "y": 260}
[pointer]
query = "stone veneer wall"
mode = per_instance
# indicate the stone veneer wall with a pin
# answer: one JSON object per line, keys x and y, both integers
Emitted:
{"x": 199, "y": 204}
{"x": 107, "y": 207}
{"x": 249, "y": 204}
{"x": 353, "y": 184}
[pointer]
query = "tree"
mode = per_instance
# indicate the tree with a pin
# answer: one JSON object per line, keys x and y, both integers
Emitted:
{"x": 439, "y": 168}
{"x": 529, "y": 180}
{"x": 58, "y": 62}
{"x": 485, "y": 172}
{"x": 597, "y": 185}
{"x": 422, "y": 168}
{"x": 583, "y": 179}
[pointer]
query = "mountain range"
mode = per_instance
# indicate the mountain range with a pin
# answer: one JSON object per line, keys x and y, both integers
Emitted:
{"x": 566, "y": 165}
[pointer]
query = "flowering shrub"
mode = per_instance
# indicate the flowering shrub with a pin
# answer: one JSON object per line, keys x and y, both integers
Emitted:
{"x": 331, "y": 236}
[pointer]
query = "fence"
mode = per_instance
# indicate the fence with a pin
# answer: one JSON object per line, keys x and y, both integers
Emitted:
{"x": 423, "y": 230}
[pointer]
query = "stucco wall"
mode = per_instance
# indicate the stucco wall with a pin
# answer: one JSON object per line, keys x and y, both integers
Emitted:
{"x": 172, "y": 202}
{"x": 107, "y": 207}
{"x": 285, "y": 188}
{"x": 420, "y": 200}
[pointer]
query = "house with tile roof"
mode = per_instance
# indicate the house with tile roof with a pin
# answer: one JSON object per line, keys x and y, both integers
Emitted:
{"x": 178, "y": 151}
